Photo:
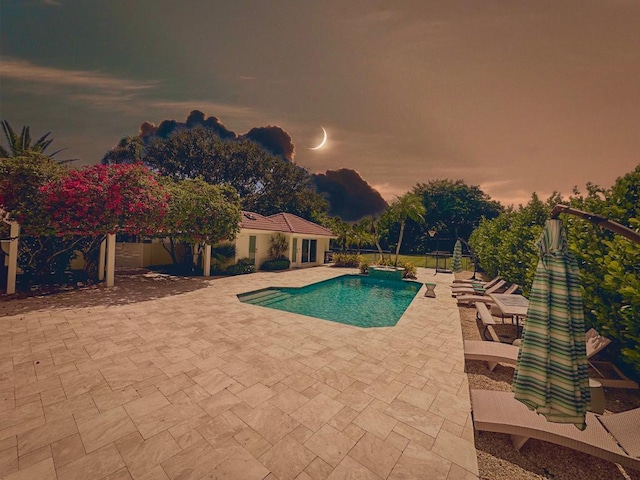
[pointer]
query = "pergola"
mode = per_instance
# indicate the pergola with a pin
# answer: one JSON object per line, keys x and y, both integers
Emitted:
{"x": 14, "y": 235}
{"x": 106, "y": 265}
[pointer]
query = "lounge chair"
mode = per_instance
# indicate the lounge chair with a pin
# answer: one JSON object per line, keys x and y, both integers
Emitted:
{"x": 469, "y": 281}
{"x": 468, "y": 299}
{"x": 496, "y": 352}
{"x": 610, "y": 437}
{"x": 483, "y": 291}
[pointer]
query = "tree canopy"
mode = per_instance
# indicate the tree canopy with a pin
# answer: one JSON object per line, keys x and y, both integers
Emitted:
{"x": 266, "y": 183}
{"x": 105, "y": 199}
{"x": 20, "y": 196}
{"x": 200, "y": 212}
{"x": 452, "y": 209}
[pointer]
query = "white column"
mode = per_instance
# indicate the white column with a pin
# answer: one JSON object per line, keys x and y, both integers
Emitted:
{"x": 207, "y": 260}
{"x": 103, "y": 254}
{"x": 111, "y": 259}
{"x": 13, "y": 257}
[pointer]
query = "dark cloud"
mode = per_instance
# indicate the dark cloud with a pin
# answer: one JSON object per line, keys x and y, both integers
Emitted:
{"x": 195, "y": 118}
{"x": 350, "y": 197}
{"x": 274, "y": 139}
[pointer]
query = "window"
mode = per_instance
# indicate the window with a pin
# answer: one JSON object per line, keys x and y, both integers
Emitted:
{"x": 294, "y": 251}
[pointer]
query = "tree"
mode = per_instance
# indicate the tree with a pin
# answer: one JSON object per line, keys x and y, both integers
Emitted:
{"x": 361, "y": 234}
{"x": 266, "y": 183}
{"x": 101, "y": 199}
{"x": 506, "y": 245}
{"x": 128, "y": 150}
{"x": 43, "y": 257}
{"x": 198, "y": 212}
{"x": 609, "y": 264}
{"x": 20, "y": 145}
{"x": 20, "y": 196}
{"x": 408, "y": 206}
{"x": 453, "y": 208}
{"x": 106, "y": 199}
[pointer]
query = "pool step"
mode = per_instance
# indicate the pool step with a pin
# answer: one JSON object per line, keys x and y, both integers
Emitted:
{"x": 265, "y": 297}
{"x": 271, "y": 299}
{"x": 257, "y": 296}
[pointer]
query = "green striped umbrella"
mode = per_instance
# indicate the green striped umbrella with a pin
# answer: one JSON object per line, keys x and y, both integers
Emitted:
{"x": 551, "y": 375}
{"x": 456, "y": 264}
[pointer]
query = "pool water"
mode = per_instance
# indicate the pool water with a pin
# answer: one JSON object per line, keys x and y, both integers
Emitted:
{"x": 350, "y": 299}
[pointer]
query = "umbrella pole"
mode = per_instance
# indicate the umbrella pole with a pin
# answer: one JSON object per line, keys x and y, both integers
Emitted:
{"x": 598, "y": 220}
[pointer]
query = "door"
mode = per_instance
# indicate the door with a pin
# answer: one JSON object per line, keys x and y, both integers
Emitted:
{"x": 309, "y": 250}
{"x": 294, "y": 253}
{"x": 252, "y": 249}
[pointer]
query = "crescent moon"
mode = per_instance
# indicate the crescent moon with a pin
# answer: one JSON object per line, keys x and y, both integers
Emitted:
{"x": 324, "y": 140}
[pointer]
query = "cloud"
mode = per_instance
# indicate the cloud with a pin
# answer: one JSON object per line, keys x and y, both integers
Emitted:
{"x": 25, "y": 71}
{"x": 350, "y": 197}
{"x": 274, "y": 139}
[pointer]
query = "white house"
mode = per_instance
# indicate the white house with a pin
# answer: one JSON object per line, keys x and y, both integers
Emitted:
{"x": 307, "y": 240}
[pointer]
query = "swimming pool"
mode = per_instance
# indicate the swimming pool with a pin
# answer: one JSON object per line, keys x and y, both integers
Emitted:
{"x": 350, "y": 299}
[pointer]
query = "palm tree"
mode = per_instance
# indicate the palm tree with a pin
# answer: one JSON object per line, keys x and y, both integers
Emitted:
{"x": 372, "y": 226}
{"x": 20, "y": 145}
{"x": 408, "y": 206}
{"x": 361, "y": 234}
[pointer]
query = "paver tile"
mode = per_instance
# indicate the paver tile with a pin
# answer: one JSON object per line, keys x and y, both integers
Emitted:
{"x": 46, "y": 434}
{"x": 267, "y": 420}
{"x": 288, "y": 458}
{"x": 317, "y": 411}
{"x": 377, "y": 455}
{"x": 192, "y": 383}
{"x": 67, "y": 450}
{"x": 330, "y": 444}
{"x": 105, "y": 428}
{"x": 97, "y": 464}
{"x": 140, "y": 455}
{"x": 43, "y": 470}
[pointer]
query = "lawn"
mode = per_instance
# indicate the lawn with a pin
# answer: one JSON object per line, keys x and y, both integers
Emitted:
{"x": 427, "y": 261}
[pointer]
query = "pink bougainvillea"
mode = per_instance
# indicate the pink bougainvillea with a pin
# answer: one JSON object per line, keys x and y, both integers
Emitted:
{"x": 106, "y": 198}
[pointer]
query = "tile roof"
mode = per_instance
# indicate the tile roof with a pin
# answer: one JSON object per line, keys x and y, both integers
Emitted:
{"x": 283, "y": 222}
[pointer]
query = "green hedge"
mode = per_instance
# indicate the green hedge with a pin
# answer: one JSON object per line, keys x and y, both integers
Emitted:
{"x": 609, "y": 264}
{"x": 243, "y": 266}
{"x": 272, "y": 265}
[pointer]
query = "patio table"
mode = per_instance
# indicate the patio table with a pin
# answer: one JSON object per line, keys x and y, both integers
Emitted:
{"x": 510, "y": 305}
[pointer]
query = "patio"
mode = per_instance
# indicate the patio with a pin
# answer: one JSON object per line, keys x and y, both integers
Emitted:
{"x": 165, "y": 378}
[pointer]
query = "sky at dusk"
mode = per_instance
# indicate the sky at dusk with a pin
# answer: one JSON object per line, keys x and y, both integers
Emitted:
{"x": 515, "y": 97}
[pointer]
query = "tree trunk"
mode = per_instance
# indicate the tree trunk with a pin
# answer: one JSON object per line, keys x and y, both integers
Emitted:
{"x": 399, "y": 242}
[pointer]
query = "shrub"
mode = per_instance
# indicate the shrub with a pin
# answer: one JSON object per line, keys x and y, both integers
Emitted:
{"x": 410, "y": 270}
{"x": 352, "y": 260}
{"x": 278, "y": 247}
{"x": 223, "y": 250}
{"x": 243, "y": 266}
{"x": 273, "y": 265}
{"x": 385, "y": 262}
{"x": 364, "y": 267}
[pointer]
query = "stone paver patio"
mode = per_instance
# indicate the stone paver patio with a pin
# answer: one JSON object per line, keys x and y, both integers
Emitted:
{"x": 176, "y": 379}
